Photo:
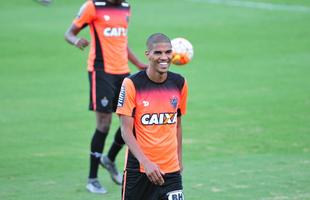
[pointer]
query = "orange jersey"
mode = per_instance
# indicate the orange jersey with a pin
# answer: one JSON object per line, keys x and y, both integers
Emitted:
{"x": 108, "y": 29}
{"x": 155, "y": 108}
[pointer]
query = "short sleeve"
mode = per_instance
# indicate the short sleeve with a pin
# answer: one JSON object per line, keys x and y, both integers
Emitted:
{"x": 182, "y": 105}
{"x": 85, "y": 15}
{"x": 126, "y": 101}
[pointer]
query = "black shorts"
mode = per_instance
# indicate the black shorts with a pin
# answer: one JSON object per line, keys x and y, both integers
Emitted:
{"x": 136, "y": 186}
{"x": 104, "y": 90}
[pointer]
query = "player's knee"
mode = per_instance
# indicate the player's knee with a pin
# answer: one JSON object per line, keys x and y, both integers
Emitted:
{"x": 103, "y": 122}
{"x": 103, "y": 127}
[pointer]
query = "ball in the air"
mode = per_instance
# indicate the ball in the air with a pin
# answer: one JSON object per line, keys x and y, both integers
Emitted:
{"x": 182, "y": 51}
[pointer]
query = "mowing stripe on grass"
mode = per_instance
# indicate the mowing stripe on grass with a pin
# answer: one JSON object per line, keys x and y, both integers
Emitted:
{"x": 257, "y": 5}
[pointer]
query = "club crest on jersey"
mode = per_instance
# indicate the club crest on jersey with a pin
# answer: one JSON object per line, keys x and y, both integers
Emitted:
{"x": 174, "y": 102}
{"x": 121, "y": 97}
{"x": 159, "y": 118}
{"x": 104, "y": 101}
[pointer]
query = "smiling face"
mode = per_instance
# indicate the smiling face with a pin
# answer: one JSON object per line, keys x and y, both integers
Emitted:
{"x": 159, "y": 56}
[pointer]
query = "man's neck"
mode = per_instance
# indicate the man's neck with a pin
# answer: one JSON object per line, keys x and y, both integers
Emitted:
{"x": 156, "y": 76}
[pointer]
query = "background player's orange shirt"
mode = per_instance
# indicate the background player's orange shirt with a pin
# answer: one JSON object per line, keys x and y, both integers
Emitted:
{"x": 108, "y": 29}
{"x": 155, "y": 108}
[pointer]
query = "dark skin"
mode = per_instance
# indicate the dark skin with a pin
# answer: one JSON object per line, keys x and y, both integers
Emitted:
{"x": 71, "y": 36}
{"x": 159, "y": 56}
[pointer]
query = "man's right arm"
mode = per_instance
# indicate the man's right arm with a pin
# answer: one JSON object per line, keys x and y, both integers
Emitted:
{"x": 151, "y": 169}
{"x": 71, "y": 37}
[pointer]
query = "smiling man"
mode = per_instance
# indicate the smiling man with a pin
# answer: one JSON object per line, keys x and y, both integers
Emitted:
{"x": 150, "y": 106}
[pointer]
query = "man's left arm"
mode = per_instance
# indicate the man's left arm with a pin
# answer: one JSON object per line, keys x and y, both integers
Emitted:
{"x": 181, "y": 112}
{"x": 179, "y": 138}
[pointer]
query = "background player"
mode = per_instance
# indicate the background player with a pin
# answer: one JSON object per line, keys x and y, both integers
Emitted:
{"x": 107, "y": 67}
{"x": 150, "y": 106}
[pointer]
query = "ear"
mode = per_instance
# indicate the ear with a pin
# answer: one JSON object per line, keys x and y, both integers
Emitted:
{"x": 147, "y": 53}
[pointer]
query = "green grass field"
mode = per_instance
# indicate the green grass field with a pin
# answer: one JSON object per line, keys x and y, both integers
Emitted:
{"x": 247, "y": 131}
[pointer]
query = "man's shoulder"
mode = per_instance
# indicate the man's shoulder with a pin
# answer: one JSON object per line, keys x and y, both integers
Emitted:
{"x": 176, "y": 78}
{"x": 139, "y": 79}
{"x": 175, "y": 75}
{"x": 137, "y": 76}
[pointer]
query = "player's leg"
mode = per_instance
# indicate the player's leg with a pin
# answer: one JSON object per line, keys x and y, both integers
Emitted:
{"x": 108, "y": 161}
{"x": 118, "y": 142}
{"x": 98, "y": 141}
{"x": 98, "y": 103}
{"x": 117, "y": 145}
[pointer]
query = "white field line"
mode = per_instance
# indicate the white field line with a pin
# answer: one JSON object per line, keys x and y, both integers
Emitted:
{"x": 257, "y": 5}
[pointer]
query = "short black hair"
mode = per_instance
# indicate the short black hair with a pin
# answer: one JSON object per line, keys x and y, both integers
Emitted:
{"x": 157, "y": 38}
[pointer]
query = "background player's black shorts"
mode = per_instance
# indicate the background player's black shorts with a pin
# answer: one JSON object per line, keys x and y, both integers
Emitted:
{"x": 104, "y": 90}
{"x": 136, "y": 186}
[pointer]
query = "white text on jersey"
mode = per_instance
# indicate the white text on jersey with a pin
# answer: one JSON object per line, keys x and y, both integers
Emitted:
{"x": 159, "y": 118}
{"x": 115, "y": 32}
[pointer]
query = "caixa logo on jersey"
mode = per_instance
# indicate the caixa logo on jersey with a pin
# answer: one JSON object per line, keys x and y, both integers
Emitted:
{"x": 159, "y": 118}
{"x": 115, "y": 31}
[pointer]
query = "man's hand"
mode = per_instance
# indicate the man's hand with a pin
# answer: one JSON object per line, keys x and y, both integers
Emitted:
{"x": 142, "y": 66}
{"x": 153, "y": 173}
{"x": 81, "y": 43}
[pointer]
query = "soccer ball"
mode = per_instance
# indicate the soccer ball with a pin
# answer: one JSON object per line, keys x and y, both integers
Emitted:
{"x": 182, "y": 51}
